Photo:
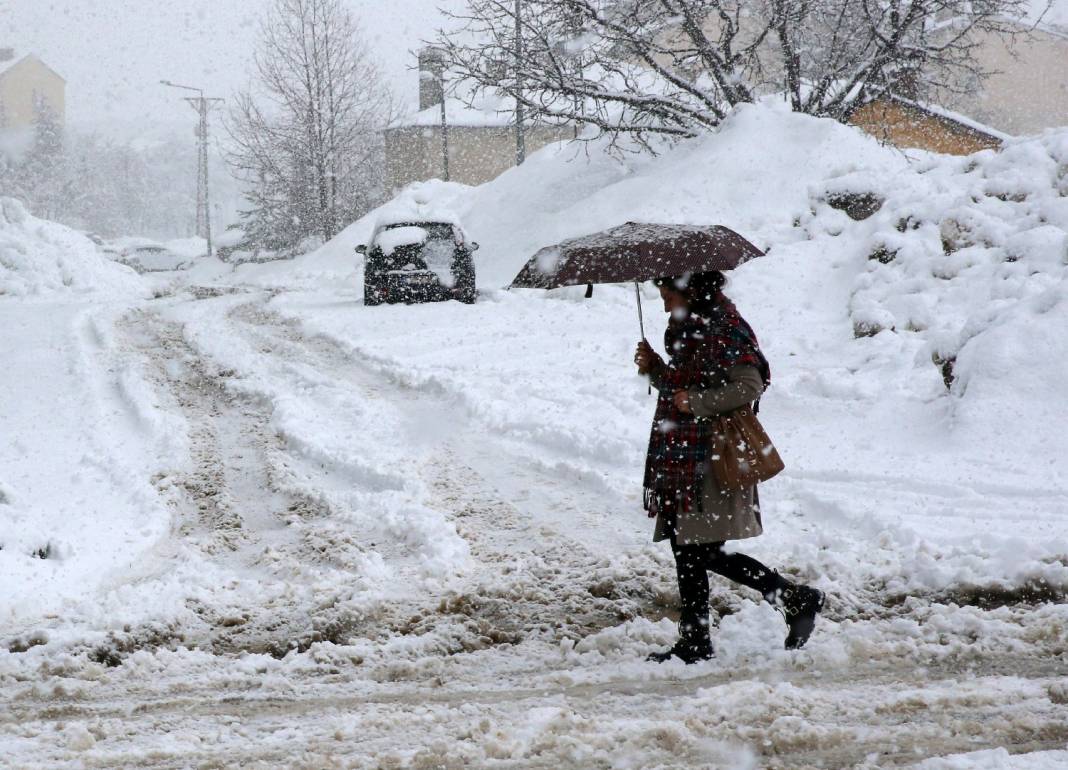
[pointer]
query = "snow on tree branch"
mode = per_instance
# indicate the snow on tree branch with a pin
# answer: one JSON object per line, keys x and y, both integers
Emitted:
{"x": 676, "y": 67}
{"x": 305, "y": 137}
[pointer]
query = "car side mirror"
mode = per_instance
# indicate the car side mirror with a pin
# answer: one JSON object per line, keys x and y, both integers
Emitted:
{"x": 473, "y": 246}
{"x": 361, "y": 249}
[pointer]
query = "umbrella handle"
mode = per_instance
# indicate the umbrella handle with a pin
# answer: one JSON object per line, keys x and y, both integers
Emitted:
{"x": 641, "y": 320}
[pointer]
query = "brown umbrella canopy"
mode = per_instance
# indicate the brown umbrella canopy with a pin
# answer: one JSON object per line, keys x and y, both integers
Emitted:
{"x": 636, "y": 252}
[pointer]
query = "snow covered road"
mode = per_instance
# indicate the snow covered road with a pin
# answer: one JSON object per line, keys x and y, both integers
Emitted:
{"x": 369, "y": 565}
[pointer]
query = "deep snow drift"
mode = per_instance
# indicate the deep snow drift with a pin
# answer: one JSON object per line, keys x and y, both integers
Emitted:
{"x": 41, "y": 258}
{"x": 410, "y": 536}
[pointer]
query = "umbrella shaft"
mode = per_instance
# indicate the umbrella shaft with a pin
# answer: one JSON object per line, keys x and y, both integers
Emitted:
{"x": 641, "y": 320}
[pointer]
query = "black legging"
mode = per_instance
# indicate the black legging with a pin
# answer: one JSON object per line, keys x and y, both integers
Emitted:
{"x": 694, "y": 562}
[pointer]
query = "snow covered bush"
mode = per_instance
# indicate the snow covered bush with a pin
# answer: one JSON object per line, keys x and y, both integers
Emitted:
{"x": 38, "y": 257}
{"x": 965, "y": 248}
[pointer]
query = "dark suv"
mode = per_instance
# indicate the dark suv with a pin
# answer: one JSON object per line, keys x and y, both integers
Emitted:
{"x": 418, "y": 262}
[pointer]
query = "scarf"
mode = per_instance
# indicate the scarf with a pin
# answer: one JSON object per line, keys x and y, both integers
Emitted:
{"x": 702, "y": 349}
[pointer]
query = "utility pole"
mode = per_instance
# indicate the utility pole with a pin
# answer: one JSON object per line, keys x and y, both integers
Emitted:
{"x": 432, "y": 68}
{"x": 203, "y": 106}
{"x": 520, "y": 139}
{"x": 444, "y": 135}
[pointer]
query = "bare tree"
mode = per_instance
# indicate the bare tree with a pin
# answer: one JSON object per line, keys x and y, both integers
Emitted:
{"x": 677, "y": 67}
{"x": 305, "y": 135}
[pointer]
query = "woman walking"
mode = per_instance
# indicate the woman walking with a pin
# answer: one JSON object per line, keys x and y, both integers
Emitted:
{"x": 715, "y": 366}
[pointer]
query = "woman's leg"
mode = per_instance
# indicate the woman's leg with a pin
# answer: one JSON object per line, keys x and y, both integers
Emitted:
{"x": 799, "y": 604}
{"x": 694, "y": 643}
{"x": 740, "y": 568}
{"x": 693, "y": 590}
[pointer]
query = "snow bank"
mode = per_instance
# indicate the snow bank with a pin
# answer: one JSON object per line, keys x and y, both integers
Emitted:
{"x": 966, "y": 265}
{"x": 566, "y": 190}
{"x": 38, "y": 257}
{"x": 752, "y": 175}
{"x": 878, "y": 449}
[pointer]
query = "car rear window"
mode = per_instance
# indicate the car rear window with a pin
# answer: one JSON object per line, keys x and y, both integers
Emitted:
{"x": 395, "y": 237}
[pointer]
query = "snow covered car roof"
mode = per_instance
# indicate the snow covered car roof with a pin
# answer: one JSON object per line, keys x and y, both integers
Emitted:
{"x": 411, "y": 223}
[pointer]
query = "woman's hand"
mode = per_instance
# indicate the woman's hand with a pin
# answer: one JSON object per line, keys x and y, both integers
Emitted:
{"x": 682, "y": 401}
{"x": 646, "y": 358}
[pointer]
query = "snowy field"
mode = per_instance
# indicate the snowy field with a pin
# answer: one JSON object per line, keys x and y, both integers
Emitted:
{"x": 246, "y": 521}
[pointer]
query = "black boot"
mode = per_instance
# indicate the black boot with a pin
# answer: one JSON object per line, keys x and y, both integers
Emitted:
{"x": 799, "y": 605}
{"x": 693, "y": 645}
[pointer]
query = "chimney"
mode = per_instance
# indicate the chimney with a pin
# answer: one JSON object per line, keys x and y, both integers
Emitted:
{"x": 431, "y": 66}
{"x": 7, "y": 54}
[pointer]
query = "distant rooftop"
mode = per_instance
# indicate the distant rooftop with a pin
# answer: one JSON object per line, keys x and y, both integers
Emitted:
{"x": 495, "y": 113}
{"x": 457, "y": 113}
{"x": 9, "y": 57}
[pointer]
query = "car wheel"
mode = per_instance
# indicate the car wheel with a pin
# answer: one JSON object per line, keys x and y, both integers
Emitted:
{"x": 370, "y": 293}
{"x": 465, "y": 282}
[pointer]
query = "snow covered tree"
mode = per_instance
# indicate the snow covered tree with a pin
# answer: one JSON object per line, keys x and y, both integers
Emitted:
{"x": 95, "y": 184}
{"x": 36, "y": 172}
{"x": 677, "y": 67}
{"x": 305, "y": 136}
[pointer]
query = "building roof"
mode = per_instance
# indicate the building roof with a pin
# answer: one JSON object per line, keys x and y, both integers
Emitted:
{"x": 457, "y": 113}
{"x": 950, "y": 116}
{"x": 942, "y": 114}
{"x": 10, "y": 64}
{"x": 491, "y": 113}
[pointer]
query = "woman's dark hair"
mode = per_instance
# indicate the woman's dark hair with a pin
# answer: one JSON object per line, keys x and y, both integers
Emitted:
{"x": 701, "y": 290}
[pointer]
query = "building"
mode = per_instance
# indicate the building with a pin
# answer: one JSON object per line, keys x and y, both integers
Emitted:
{"x": 1028, "y": 90}
{"x": 907, "y": 123}
{"x": 481, "y": 142}
{"x": 27, "y": 84}
{"x": 1025, "y": 92}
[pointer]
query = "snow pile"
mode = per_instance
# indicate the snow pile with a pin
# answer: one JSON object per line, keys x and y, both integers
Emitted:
{"x": 752, "y": 175}
{"x": 967, "y": 263}
{"x": 567, "y": 190}
{"x": 196, "y": 247}
{"x": 552, "y": 370}
{"x": 38, "y": 257}
{"x": 437, "y": 507}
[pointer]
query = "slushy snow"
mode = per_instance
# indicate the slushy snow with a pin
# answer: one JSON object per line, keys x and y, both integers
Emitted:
{"x": 288, "y": 529}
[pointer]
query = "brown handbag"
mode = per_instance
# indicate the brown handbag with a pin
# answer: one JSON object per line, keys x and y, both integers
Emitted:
{"x": 742, "y": 454}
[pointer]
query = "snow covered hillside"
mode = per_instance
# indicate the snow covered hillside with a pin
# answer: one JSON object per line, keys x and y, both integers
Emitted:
{"x": 290, "y": 530}
{"x": 39, "y": 258}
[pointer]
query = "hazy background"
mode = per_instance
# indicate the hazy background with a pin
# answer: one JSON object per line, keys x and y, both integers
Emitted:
{"x": 113, "y": 54}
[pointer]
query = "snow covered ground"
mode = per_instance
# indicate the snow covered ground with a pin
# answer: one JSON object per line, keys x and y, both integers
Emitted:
{"x": 251, "y": 522}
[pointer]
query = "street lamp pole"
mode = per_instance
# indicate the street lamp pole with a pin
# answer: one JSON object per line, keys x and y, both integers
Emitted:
{"x": 520, "y": 139}
{"x": 202, "y": 105}
{"x": 444, "y": 128}
{"x": 432, "y": 69}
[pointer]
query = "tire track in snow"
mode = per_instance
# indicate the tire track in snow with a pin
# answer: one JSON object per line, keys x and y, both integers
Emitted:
{"x": 465, "y": 699}
{"x": 235, "y": 505}
{"x": 530, "y": 534}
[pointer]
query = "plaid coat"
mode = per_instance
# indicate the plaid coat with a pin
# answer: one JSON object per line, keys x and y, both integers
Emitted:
{"x": 702, "y": 350}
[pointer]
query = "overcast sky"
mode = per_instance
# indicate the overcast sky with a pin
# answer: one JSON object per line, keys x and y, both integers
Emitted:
{"x": 113, "y": 53}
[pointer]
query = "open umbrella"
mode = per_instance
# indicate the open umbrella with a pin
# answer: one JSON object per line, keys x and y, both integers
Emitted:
{"x": 635, "y": 252}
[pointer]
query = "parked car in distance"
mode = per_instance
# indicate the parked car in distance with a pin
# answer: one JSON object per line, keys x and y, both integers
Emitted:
{"x": 418, "y": 261}
{"x": 146, "y": 256}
